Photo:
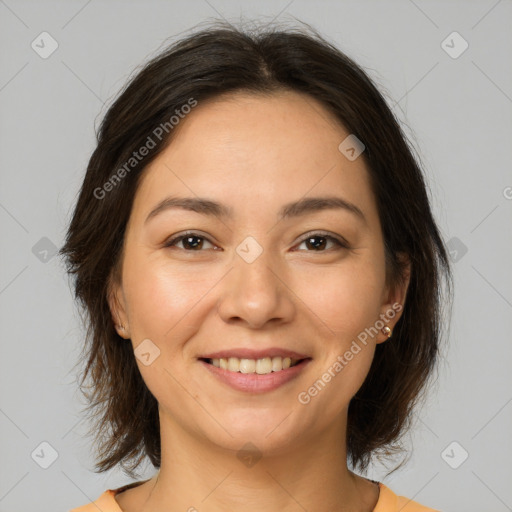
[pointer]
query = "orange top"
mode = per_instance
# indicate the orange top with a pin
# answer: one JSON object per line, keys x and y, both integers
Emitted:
{"x": 388, "y": 502}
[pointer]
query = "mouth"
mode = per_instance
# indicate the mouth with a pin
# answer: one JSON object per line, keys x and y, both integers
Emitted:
{"x": 261, "y": 366}
{"x": 255, "y": 376}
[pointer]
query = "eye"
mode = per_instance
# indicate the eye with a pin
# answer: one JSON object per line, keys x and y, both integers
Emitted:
{"x": 192, "y": 242}
{"x": 318, "y": 242}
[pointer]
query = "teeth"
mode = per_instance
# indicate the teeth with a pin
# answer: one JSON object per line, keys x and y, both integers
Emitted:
{"x": 259, "y": 366}
{"x": 263, "y": 366}
{"x": 233, "y": 364}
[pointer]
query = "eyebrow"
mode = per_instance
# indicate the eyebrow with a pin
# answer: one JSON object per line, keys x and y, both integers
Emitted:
{"x": 208, "y": 207}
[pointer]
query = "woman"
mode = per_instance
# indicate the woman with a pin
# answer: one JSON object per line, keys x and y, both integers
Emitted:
{"x": 255, "y": 250}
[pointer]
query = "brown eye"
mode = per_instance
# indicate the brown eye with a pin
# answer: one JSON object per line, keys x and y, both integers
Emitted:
{"x": 192, "y": 242}
{"x": 318, "y": 242}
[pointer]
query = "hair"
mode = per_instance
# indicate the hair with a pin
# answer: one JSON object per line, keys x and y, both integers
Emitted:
{"x": 204, "y": 65}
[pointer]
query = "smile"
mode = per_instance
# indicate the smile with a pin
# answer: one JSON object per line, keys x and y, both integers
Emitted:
{"x": 260, "y": 366}
{"x": 255, "y": 375}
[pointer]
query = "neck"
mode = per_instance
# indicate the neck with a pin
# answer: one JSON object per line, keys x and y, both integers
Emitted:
{"x": 309, "y": 474}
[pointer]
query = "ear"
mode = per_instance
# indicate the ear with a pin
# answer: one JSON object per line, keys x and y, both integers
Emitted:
{"x": 117, "y": 305}
{"x": 394, "y": 297}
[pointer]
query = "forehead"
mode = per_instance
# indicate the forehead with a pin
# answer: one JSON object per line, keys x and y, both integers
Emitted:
{"x": 283, "y": 121}
{"x": 247, "y": 149}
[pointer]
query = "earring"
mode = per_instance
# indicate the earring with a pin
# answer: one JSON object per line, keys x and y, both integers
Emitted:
{"x": 386, "y": 330}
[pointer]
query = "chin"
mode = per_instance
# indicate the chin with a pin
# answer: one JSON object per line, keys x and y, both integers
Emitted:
{"x": 269, "y": 430}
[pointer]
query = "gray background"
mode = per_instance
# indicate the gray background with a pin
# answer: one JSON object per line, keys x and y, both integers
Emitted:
{"x": 460, "y": 112}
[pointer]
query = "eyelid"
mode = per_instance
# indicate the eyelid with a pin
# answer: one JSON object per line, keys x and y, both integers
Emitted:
{"x": 338, "y": 239}
{"x": 179, "y": 237}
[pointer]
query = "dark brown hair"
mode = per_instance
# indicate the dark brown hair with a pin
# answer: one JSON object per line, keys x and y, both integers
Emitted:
{"x": 216, "y": 61}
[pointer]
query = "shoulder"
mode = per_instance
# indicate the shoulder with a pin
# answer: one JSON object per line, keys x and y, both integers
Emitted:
{"x": 390, "y": 502}
{"x": 106, "y": 503}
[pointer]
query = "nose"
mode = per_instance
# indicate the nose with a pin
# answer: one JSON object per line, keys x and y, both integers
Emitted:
{"x": 255, "y": 294}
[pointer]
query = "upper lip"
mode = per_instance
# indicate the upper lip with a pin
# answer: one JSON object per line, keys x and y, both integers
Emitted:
{"x": 247, "y": 353}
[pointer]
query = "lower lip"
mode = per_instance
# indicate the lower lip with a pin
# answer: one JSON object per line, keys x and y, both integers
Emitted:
{"x": 253, "y": 382}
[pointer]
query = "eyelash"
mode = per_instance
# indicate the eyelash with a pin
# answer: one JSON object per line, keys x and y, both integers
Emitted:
{"x": 342, "y": 244}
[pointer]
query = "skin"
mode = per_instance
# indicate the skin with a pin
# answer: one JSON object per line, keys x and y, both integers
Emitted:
{"x": 253, "y": 153}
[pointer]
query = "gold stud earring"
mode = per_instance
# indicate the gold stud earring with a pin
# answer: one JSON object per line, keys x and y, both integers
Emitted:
{"x": 386, "y": 330}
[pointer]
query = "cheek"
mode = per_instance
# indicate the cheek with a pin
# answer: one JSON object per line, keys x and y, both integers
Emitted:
{"x": 346, "y": 302}
{"x": 345, "y": 299}
{"x": 164, "y": 307}
{"x": 161, "y": 300}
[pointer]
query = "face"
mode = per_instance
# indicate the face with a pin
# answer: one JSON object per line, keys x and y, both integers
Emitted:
{"x": 310, "y": 284}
